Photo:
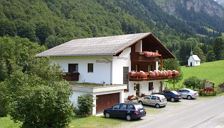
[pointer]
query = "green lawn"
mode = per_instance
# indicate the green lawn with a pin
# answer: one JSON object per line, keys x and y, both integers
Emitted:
{"x": 213, "y": 71}
{"x": 6, "y": 122}
{"x": 87, "y": 122}
{"x": 95, "y": 122}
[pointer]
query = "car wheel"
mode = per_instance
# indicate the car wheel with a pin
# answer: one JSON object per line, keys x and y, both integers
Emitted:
{"x": 172, "y": 99}
{"x": 157, "y": 106}
{"x": 128, "y": 117}
{"x": 107, "y": 115}
{"x": 189, "y": 97}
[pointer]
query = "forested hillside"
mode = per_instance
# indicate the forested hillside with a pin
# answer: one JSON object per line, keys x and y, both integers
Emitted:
{"x": 52, "y": 22}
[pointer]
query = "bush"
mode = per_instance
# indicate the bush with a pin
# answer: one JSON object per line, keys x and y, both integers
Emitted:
{"x": 221, "y": 87}
{"x": 3, "y": 101}
{"x": 193, "y": 82}
{"x": 39, "y": 103}
{"x": 42, "y": 107}
{"x": 85, "y": 105}
{"x": 202, "y": 93}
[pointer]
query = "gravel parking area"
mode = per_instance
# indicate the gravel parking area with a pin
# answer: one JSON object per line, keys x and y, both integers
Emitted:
{"x": 202, "y": 112}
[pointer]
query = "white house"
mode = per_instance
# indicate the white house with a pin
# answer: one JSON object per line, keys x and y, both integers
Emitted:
{"x": 194, "y": 60}
{"x": 112, "y": 68}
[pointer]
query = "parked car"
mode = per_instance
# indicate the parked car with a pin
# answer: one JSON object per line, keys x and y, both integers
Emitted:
{"x": 128, "y": 111}
{"x": 156, "y": 100}
{"x": 172, "y": 95}
{"x": 188, "y": 93}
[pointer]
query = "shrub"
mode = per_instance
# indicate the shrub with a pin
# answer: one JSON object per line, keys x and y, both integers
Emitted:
{"x": 85, "y": 105}
{"x": 202, "y": 93}
{"x": 39, "y": 103}
{"x": 193, "y": 82}
{"x": 221, "y": 87}
{"x": 42, "y": 107}
{"x": 3, "y": 101}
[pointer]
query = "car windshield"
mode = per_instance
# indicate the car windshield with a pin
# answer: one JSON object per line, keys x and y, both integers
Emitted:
{"x": 175, "y": 92}
{"x": 138, "y": 106}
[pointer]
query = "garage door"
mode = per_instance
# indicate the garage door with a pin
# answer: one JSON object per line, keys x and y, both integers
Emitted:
{"x": 106, "y": 101}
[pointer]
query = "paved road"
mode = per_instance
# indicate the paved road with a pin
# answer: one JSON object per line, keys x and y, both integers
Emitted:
{"x": 202, "y": 113}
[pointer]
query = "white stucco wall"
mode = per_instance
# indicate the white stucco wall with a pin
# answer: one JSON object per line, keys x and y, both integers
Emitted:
{"x": 144, "y": 88}
{"x": 194, "y": 62}
{"x": 107, "y": 69}
{"x": 101, "y": 68}
{"x": 131, "y": 90}
{"x": 138, "y": 46}
{"x": 74, "y": 97}
{"x": 123, "y": 60}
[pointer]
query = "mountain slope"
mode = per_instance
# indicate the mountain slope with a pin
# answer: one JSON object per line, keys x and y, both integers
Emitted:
{"x": 203, "y": 15}
{"x": 149, "y": 12}
{"x": 54, "y": 21}
{"x": 221, "y": 2}
{"x": 51, "y": 22}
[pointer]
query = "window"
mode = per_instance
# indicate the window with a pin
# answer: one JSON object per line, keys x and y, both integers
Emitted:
{"x": 125, "y": 75}
{"x": 123, "y": 106}
{"x": 138, "y": 106}
{"x": 147, "y": 97}
{"x": 153, "y": 97}
{"x": 186, "y": 91}
{"x": 90, "y": 67}
{"x": 151, "y": 86}
{"x": 116, "y": 106}
{"x": 130, "y": 106}
{"x": 151, "y": 68}
{"x": 72, "y": 68}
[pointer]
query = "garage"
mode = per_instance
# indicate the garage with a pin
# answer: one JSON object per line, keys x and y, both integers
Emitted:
{"x": 106, "y": 101}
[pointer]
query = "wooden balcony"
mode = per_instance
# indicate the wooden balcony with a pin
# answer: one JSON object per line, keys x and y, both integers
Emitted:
{"x": 152, "y": 75}
{"x": 145, "y": 56}
{"x": 71, "y": 76}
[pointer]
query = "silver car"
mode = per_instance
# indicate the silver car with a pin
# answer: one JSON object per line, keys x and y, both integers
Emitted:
{"x": 156, "y": 100}
{"x": 188, "y": 93}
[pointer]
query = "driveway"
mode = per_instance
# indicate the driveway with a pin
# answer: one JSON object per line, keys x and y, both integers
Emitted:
{"x": 200, "y": 113}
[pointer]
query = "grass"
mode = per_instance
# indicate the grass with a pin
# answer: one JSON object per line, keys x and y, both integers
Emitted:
{"x": 77, "y": 122}
{"x": 95, "y": 122}
{"x": 6, "y": 122}
{"x": 212, "y": 71}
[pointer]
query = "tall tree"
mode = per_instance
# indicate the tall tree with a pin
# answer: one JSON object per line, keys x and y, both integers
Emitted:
{"x": 30, "y": 82}
{"x": 210, "y": 56}
{"x": 198, "y": 51}
{"x": 218, "y": 48}
{"x": 173, "y": 64}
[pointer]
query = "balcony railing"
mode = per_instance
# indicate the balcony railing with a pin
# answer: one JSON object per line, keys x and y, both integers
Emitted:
{"x": 71, "y": 76}
{"x": 145, "y": 56}
{"x": 152, "y": 75}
